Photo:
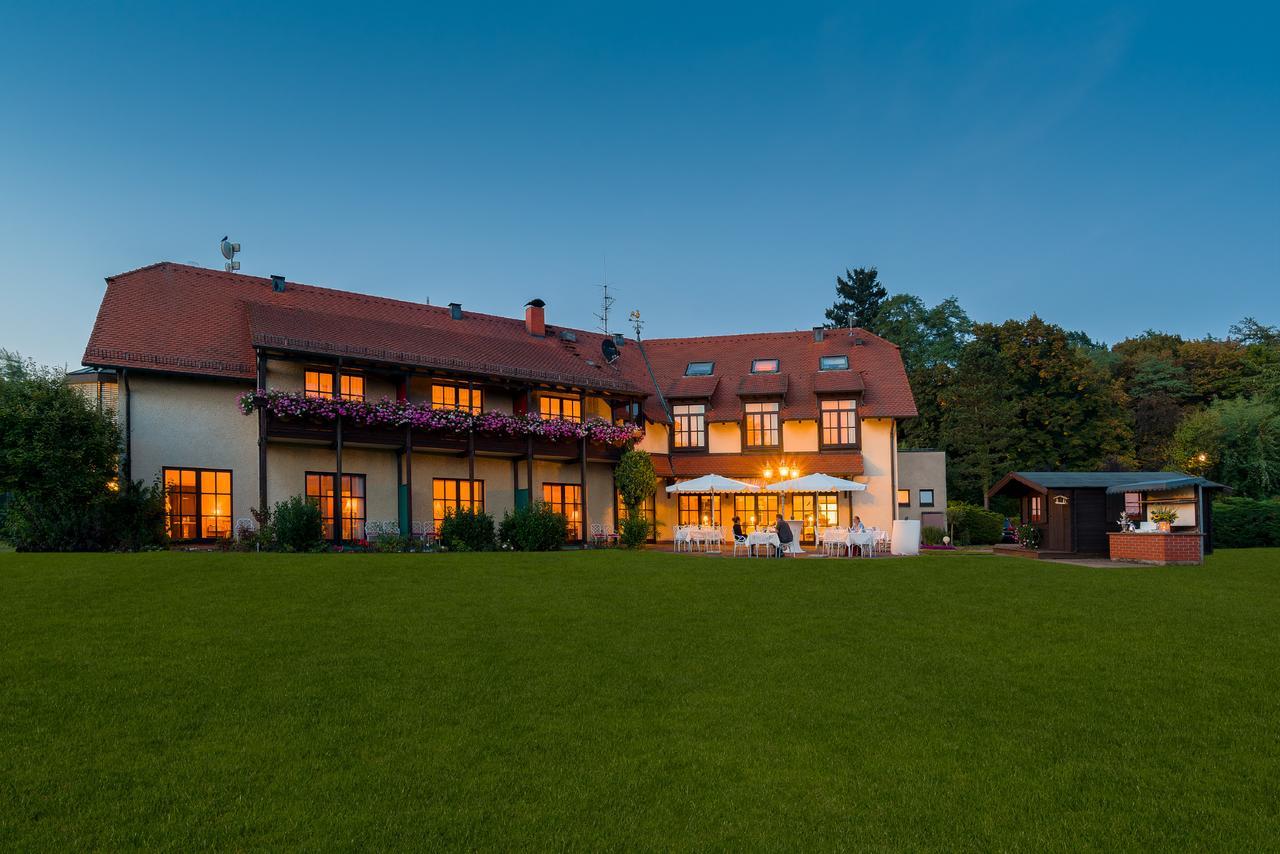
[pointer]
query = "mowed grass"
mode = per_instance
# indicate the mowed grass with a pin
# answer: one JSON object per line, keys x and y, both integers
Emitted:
{"x": 613, "y": 700}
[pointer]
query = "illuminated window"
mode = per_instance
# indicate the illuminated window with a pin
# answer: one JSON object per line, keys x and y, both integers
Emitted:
{"x": 762, "y": 424}
{"x": 764, "y": 366}
{"x": 699, "y": 369}
{"x": 320, "y": 384}
{"x": 1036, "y": 506}
{"x": 839, "y": 422}
{"x": 829, "y": 509}
{"x": 101, "y": 392}
{"x": 566, "y": 498}
{"x": 197, "y": 503}
{"x": 351, "y": 510}
{"x": 457, "y": 397}
{"x": 352, "y": 387}
{"x": 691, "y": 425}
{"x": 904, "y": 498}
{"x": 699, "y": 510}
{"x": 449, "y": 495}
{"x": 568, "y": 408}
{"x": 756, "y": 511}
{"x": 833, "y": 363}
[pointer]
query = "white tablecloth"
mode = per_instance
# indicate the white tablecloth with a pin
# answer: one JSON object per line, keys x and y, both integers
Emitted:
{"x": 761, "y": 538}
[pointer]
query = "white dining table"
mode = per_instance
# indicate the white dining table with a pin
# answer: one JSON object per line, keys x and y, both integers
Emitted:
{"x": 707, "y": 537}
{"x": 762, "y": 538}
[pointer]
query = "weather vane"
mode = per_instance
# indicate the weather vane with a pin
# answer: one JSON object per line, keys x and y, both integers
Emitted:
{"x": 636, "y": 323}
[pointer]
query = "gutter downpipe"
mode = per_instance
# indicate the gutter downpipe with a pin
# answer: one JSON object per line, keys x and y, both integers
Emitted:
{"x": 127, "y": 468}
{"x": 653, "y": 379}
{"x": 893, "y": 467}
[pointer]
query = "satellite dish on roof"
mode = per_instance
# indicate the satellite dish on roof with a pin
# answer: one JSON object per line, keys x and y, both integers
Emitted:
{"x": 229, "y": 251}
{"x": 609, "y": 350}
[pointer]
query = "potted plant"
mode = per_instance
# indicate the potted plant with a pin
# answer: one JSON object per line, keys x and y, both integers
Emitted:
{"x": 1164, "y": 517}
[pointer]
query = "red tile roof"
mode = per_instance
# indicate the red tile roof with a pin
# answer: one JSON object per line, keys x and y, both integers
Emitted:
{"x": 754, "y": 385}
{"x": 875, "y": 367}
{"x": 686, "y": 387}
{"x": 184, "y": 319}
{"x": 750, "y": 465}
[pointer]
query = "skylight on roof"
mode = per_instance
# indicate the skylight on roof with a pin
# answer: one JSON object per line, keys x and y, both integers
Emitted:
{"x": 833, "y": 363}
{"x": 765, "y": 366}
{"x": 699, "y": 369}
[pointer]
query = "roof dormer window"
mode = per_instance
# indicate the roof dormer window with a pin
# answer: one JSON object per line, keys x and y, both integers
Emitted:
{"x": 699, "y": 369}
{"x": 765, "y": 366}
{"x": 833, "y": 363}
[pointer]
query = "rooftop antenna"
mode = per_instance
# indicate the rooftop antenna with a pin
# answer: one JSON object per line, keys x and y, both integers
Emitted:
{"x": 606, "y": 303}
{"x": 229, "y": 251}
{"x": 636, "y": 323}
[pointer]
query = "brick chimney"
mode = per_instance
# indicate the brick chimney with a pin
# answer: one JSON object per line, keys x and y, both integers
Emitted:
{"x": 535, "y": 319}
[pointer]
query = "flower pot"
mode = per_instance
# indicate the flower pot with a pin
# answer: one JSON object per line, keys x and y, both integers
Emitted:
{"x": 1165, "y": 527}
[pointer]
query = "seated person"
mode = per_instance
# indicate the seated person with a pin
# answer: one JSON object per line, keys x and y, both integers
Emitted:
{"x": 784, "y": 535}
{"x": 857, "y": 527}
{"x": 737, "y": 530}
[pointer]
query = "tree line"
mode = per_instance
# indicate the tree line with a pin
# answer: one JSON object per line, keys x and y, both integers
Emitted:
{"x": 1030, "y": 395}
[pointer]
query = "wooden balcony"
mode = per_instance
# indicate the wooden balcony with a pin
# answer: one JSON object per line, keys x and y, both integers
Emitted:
{"x": 315, "y": 432}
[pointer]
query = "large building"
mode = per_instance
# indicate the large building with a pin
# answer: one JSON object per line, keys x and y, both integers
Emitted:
{"x": 239, "y": 392}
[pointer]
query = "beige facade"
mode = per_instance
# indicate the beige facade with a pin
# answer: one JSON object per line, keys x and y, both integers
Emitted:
{"x": 190, "y": 423}
{"x": 181, "y": 422}
{"x": 923, "y": 481}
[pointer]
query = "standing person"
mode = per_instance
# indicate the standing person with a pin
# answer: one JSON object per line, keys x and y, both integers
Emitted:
{"x": 784, "y": 535}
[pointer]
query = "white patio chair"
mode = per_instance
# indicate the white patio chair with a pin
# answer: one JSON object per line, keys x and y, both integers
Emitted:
{"x": 597, "y": 535}
{"x": 682, "y": 536}
{"x": 882, "y": 544}
{"x": 244, "y": 525}
{"x": 740, "y": 543}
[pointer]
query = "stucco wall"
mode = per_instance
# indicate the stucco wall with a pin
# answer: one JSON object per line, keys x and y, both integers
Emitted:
{"x": 185, "y": 423}
{"x": 876, "y": 505}
{"x": 923, "y": 470}
{"x": 799, "y": 436}
{"x": 724, "y": 438}
{"x": 655, "y": 439}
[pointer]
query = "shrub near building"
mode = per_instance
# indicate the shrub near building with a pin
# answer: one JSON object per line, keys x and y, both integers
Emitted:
{"x": 1246, "y": 523}
{"x": 973, "y": 526}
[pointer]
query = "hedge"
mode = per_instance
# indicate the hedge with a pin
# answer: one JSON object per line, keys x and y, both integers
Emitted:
{"x": 1246, "y": 523}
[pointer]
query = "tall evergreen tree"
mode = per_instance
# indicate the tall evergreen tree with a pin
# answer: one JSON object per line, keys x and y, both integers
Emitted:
{"x": 858, "y": 298}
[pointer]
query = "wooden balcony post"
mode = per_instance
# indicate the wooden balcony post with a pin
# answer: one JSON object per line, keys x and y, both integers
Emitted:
{"x": 408, "y": 477}
{"x": 582, "y": 467}
{"x": 262, "y": 436}
{"x": 337, "y": 476}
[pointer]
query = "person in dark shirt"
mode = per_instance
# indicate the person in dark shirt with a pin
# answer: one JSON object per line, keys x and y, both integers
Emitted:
{"x": 784, "y": 535}
{"x": 737, "y": 529}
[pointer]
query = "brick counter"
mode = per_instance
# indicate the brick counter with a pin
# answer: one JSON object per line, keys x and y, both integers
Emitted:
{"x": 1157, "y": 548}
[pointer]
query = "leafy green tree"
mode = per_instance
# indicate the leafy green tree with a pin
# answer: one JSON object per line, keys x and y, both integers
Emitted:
{"x": 927, "y": 336}
{"x": 858, "y": 298}
{"x": 636, "y": 478}
{"x": 979, "y": 422}
{"x": 57, "y": 456}
{"x": 1025, "y": 396}
{"x": 1235, "y": 442}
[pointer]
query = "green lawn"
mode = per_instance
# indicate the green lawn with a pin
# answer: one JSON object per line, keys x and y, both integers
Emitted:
{"x": 589, "y": 700}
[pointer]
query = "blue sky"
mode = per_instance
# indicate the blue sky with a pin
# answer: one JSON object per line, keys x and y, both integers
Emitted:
{"x": 1111, "y": 167}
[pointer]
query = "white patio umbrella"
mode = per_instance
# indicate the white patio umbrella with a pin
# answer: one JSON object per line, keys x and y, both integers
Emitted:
{"x": 817, "y": 483}
{"x": 820, "y": 483}
{"x": 712, "y": 483}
